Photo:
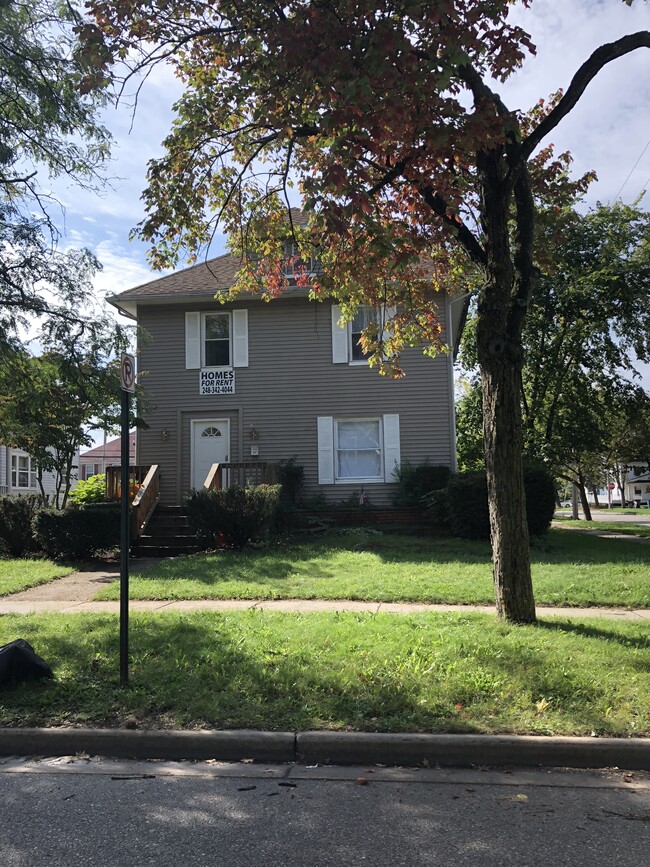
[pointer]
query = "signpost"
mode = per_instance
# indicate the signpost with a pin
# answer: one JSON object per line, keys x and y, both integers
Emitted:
{"x": 127, "y": 383}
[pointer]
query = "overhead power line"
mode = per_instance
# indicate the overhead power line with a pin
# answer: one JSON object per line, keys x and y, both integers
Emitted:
{"x": 632, "y": 169}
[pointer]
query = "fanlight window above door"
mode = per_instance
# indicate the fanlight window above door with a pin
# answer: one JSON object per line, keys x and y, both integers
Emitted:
{"x": 211, "y": 432}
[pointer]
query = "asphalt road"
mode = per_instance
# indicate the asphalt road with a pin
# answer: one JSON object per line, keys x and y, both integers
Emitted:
{"x": 636, "y": 516}
{"x": 77, "y": 811}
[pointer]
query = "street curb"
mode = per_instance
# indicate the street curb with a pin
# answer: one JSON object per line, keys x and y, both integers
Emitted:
{"x": 342, "y": 748}
{"x": 471, "y": 750}
{"x": 232, "y": 745}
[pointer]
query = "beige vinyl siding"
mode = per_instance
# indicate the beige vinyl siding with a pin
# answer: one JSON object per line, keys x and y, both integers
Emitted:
{"x": 290, "y": 381}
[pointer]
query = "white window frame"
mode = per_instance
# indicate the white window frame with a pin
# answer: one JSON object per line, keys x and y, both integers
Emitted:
{"x": 343, "y": 480}
{"x": 342, "y": 349}
{"x": 292, "y": 251}
{"x": 16, "y": 471}
{"x": 389, "y": 438}
{"x": 195, "y": 339}
{"x": 376, "y": 316}
{"x": 204, "y": 317}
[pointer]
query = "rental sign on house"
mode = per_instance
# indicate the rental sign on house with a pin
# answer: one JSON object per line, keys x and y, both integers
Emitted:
{"x": 214, "y": 381}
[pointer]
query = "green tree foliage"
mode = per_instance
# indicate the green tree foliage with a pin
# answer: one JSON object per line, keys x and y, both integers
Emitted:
{"x": 411, "y": 167}
{"x": 469, "y": 426}
{"x": 48, "y": 129}
{"x": 48, "y": 403}
{"x": 588, "y": 325}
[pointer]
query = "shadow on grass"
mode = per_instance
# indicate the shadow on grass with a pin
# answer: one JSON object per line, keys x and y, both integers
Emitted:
{"x": 192, "y": 672}
{"x": 589, "y": 631}
{"x": 300, "y": 672}
{"x": 281, "y": 561}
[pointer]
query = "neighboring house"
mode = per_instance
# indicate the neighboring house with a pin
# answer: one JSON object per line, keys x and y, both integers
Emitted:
{"x": 256, "y": 381}
{"x": 637, "y": 483}
{"x": 637, "y": 486}
{"x": 18, "y": 473}
{"x": 109, "y": 454}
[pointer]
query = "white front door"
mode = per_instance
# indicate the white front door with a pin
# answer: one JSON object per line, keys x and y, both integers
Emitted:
{"x": 210, "y": 445}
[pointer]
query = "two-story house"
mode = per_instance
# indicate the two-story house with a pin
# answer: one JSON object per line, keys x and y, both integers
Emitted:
{"x": 257, "y": 381}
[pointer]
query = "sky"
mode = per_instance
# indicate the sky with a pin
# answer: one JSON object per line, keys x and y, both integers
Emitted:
{"x": 608, "y": 131}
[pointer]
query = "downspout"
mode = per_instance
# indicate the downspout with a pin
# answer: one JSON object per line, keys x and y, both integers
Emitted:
{"x": 451, "y": 357}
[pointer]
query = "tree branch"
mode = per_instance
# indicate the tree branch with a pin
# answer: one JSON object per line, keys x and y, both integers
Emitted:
{"x": 589, "y": 69}
{"x": 464, "y": 236}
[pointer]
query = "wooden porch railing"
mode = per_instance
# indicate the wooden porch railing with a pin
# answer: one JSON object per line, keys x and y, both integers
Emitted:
{"x": 137, "y": 476}
{"x": 145, "y": 501}
{"x": 240, "y": 475}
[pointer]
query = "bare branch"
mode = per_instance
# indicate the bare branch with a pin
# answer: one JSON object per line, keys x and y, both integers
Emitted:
{"x": 589, "y": 69}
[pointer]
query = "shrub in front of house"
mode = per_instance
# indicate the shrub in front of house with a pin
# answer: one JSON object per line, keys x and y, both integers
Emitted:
{"x": 232, "y": 516}
{"x": 416, "y": 482}
{"x": 78, "y": 533}
{"x": 16, "y": 515}
{"x": 540, "y": 499}
{"x": 291, "y": 476}
{"x": 90, "y": 490}
{"x": 467, "y": 503}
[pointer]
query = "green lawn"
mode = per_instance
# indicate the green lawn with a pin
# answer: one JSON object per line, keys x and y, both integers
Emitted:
{"x": 640, "y": 530}
{"x": 433, "y": 673}
{"x": 17, "y": 575}
{"x": 569, "y": 568}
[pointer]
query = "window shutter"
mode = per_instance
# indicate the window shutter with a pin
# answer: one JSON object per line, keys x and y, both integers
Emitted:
{"x": 391, "y": 446}
{"x": 192, "y": 341}
{"x": 240, "y": 338}
{"x": 325, "y": 450}
{"x": 339, "y": 338}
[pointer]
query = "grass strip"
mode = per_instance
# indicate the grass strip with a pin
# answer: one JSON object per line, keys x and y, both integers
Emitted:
{"x": 569, "y": 568}
{"x": 17, "y": 575}
{"x": 640, "y": 530}
{"x": 420, "y": 673}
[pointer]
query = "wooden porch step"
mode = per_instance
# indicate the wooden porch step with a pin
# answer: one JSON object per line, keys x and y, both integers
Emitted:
{"x": 168, "y": 534}
{"x": 164, "y": 550}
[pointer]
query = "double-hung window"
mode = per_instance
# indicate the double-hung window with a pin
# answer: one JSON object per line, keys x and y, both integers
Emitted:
{"x": 358, "y": 446}
{"x": 358, "y": 449}
{"x": 363, "y": 318}
{"x": 346, "y": 348}
{"x": 216, "y": 339}
{"x": 23, "y": 472}
{"x": 295, "y": 264}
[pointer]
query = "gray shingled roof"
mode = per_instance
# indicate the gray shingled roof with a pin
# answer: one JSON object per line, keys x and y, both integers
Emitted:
{"x": 205, "y": 278}
{"x": 202, "y": 280}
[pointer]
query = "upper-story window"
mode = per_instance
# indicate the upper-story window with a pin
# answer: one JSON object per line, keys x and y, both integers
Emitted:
{"x": 364, "y": 317}
{"x": 296, "y": 262}
{"x": 216, "y": 340}
{"x": 23, "y": 472}
{"x": 346, "y": 347}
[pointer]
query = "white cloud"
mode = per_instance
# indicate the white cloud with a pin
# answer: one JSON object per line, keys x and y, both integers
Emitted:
{"x": 609, "y": 128}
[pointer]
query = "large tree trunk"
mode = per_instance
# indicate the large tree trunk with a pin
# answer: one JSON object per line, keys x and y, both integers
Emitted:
{"x": 501, "y": 308}
{"x": 513, "y": 585}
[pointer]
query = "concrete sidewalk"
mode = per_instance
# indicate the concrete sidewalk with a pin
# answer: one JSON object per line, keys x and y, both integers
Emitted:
{"x": 73, "y": 594}
{"x": 38, "y": 606}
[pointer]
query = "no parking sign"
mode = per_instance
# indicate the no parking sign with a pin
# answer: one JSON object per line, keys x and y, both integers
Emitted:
{"x": 127, "y": 372}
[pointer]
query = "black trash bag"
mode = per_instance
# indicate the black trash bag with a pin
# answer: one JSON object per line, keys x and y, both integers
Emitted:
{"x": 19, "y": 662}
